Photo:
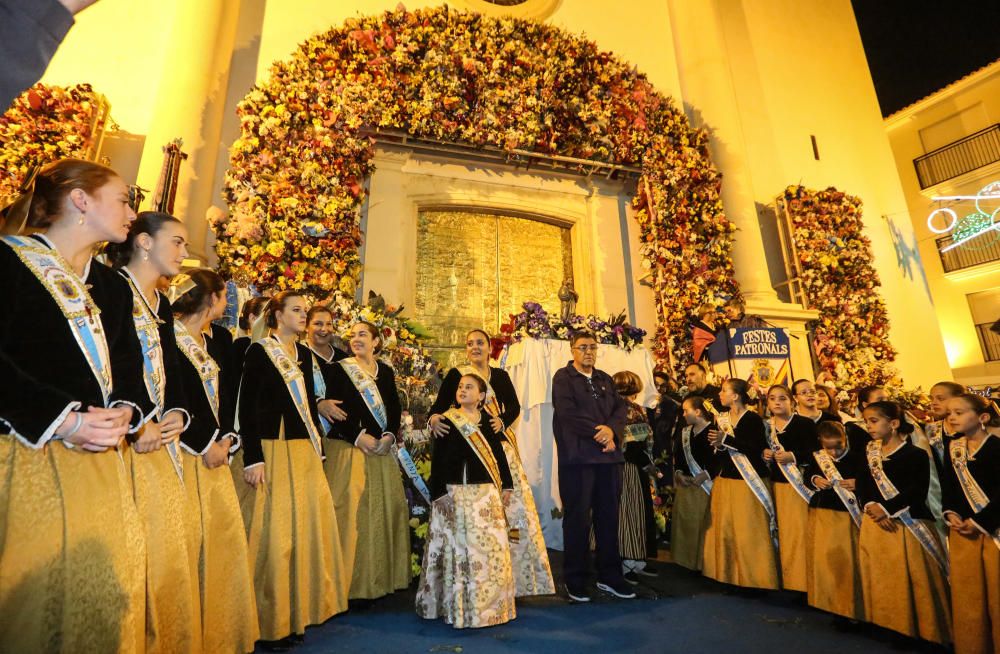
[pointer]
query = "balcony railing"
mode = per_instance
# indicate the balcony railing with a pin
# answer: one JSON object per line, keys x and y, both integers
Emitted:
{"x": 967, "y": 255}
{"x": 990, "y": 341}
{"x": 962, "y": 156}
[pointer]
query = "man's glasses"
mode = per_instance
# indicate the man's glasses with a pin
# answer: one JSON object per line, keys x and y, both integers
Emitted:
{"x": 586, "y": 348}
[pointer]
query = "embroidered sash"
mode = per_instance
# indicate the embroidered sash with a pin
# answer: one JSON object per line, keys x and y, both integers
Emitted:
{"x": 478, "y": 443}
{"x": 319, "y": 387}
{"x": 204, "y": 364}
{"x": 73, "y": 299}
{"x": 492, "y": 406}
{"x": 295, "y": 382}
{"x": 368, "y": 389}
{"x": 790, "y": 470}
{"x": 692, "y": 464}
{"x": 935, "y": 436}
{"x": 974, "y": 493}
{"x": 747, "y": 472}
{"x": 924, "y": 534}
{"x": 829, "y": 469}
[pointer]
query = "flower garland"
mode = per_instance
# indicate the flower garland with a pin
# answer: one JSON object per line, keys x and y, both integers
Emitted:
{"x": 535, "y": 322}
{"x": 852, "y": 333}
{"x": 45, "y": 124}
{"x": 298, "y": 169}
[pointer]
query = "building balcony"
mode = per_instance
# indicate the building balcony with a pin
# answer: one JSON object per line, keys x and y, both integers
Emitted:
{"x": 967, "y": 256}
{"x": 958, "y": 158}
{"x": 989, "y": 340}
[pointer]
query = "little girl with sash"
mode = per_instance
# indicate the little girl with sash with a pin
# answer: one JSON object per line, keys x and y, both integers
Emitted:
{"x": 971, "y": 499}
{"x": 903, "y": 564}
{"x": 741, "y": 542}
{"x": 294, "y": 544}
{"x": 228, "y": 609}
{"x": 937, "y": 431}
{"x": 832, "y": 580}
{"x": 155, "y": 248}
{"x": 696, "y": 463}
{"x": 362, "y": 471}
{"x": 532, "y": 571}
{"x": 467, "y": 577}
{"x": 71, "y": 388}
{"x": 791, "y": 439}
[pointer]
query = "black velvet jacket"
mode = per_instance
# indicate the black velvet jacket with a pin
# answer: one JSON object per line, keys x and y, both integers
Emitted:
{"x": 205, "y": 427}
{"x": 798, "y": 437}
{"x": 701, "y": 449}
{"x": 851, "y": 465}
{"x": 909, "y": 469}
{"x": 750, "y": 439}
{"x": 510, "y": 406}
{"x": 984, "y": 466}
{"x": 340, "y": 387}
{"x": 453, "y": 460}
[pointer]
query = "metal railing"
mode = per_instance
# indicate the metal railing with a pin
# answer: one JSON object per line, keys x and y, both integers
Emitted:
{"x": 966, "y": 256}
{"x": 989, "y": 340}
{"x": 962, "y": 156}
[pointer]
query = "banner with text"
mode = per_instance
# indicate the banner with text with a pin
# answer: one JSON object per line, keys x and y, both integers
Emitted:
{"x": 758, "y": 354}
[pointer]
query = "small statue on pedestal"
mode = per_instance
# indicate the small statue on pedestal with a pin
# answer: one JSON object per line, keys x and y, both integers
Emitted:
{"x": 568, "y": 299}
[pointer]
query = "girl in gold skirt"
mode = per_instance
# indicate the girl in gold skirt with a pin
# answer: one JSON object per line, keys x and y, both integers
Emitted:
{"x": 156, "y": 248}
{"x": 902, "y": 561}
{"x": 298, "y": 573}
{"x": 739, "y": 541}
{"x": 532, "y": 571}
{"x": 971, "y": 501}
{"x": 467, "y": 576}
{"x": 362, "y": 470}
{"x": 228, "y": 609}
{"x": 695, "y": 464}
{"x": 832, "y": 580}
{"x": 72, "y": 549}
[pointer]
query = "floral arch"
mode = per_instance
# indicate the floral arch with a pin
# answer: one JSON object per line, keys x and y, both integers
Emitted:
{"x": 299, "y": 169}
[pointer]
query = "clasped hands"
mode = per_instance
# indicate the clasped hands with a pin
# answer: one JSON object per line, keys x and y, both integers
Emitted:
{"x": 964, "y": 527}
{"x": 781, "y": 456}
{"x": 605, "y": 437}
{"x": 374, "y": 446}
{"x": 439, "y": 428}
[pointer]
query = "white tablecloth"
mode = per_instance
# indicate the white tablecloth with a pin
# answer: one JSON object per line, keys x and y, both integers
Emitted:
{"x": 531, "y": 364}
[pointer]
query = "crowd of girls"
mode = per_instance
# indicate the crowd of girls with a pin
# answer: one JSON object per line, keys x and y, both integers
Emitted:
{"x": 796, "y": 501}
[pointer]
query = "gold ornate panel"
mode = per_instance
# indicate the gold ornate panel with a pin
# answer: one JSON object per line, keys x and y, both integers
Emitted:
{"x": 475, "y": 269}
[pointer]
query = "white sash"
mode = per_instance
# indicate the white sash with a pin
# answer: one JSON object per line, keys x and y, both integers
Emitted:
{"x": 692, "y": 464}
{"x": 935, "y": 436}
{"x": 790, "y": 470}
{"x": 829, "y": 469}
{"x": 368, "y": 389}
{"x": 204, "y": 364}
{"x": 973, "y": 491}
{"x": 73, "y": 299}
{"x": 477, "y": 441}
{"x": 295, "y": 382}
{"x": 924, "y": 535}
{"x": 319, "y": 387}
{"x": 492, "y": 406}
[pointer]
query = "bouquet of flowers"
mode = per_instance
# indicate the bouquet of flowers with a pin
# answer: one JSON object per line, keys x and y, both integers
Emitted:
{"x": 535, "y": 322}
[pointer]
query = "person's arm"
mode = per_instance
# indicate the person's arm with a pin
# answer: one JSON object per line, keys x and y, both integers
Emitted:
{"x": 341, "y": 388}
{"x": 30, "y": 408}
{"x": 253, "y": 399}
{"x": 30, "y": 33}
{"x": 446, "y": 394}
{"x": 496, "y": 444}
{"x": 390, "y": 397}
{"x": 505, "y": 391}
{"x": 912, "y": 484}
{"x": 176, "y": 392}
{"x": 619, "y": 414}
{"x": 123, "y": 345}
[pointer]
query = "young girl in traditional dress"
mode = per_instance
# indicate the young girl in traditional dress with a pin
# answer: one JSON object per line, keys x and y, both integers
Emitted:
{"x": 228, "y": 609}
{"x": 363, "y": 473}
{"x": 791, "y": 439}
{"x": 857, "y": 432}
{"x": 696, "y": 463}
{"x": 155, "y": 248}
{"x": 532, "y": 572}
{"x": 741, "y": 539}
{"x": 903, "y": 565}
{"x": 832, "y": 579}
{"x": 636, "y": 524}
{"x": 937, "y": 431}
{"x": 70, "y": 389}
{"x": 467, "y": 577}
{"x": 299, "y": 574}
{"x": 971, "y": 485}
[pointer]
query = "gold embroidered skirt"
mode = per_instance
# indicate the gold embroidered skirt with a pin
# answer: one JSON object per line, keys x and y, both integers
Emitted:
{"x": 688, "y": 522}
{"x": 375, "y": 533}
{"x": 530, "y": 559}
{"x": 72, "y": 563}
{"x": 298, "y": 574}
{"x": 832, "y": 579}
{"x": 904, "y": 589}
{"x": 173, "y": 612}
{"x": 467, "y": 578}
{"x": 975, "y": 593}
{"x": 738, "y": 547}
{"x": 228, "y": 609}
{"x": 793, "y": 518}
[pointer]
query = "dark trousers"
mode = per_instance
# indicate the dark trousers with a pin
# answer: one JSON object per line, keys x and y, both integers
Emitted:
{"x": 590, "y": 491}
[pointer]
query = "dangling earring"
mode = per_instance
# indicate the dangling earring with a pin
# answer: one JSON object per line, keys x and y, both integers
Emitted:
{"x": 83, "y": 217}
{"x": 145, "y": 255}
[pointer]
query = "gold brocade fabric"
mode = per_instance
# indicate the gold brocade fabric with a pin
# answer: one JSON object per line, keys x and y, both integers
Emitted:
{"x": 72, "y": 575}
{"x": 793, "y": 516}
{"x": 738, "y": 546}
{"x": 228, "y": 609}
{"x": 532, "y": 572}
{"x": 832, "y": 579}
{"x": 368, "y": 492}
{"x": 298, "y": 574}
{"x": 904, "y": 588}
{"x": 975, "y": 593}
{"x": 173, "y": 612}
{"x": 467, "y": 577}
{"x": 688, "y": 522}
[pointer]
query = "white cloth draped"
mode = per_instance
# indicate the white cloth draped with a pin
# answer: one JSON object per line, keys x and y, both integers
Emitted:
{"x": 531, "y": 363}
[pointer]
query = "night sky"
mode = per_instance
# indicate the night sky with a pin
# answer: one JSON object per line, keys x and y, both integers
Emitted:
{"x": 916, "y": 47}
